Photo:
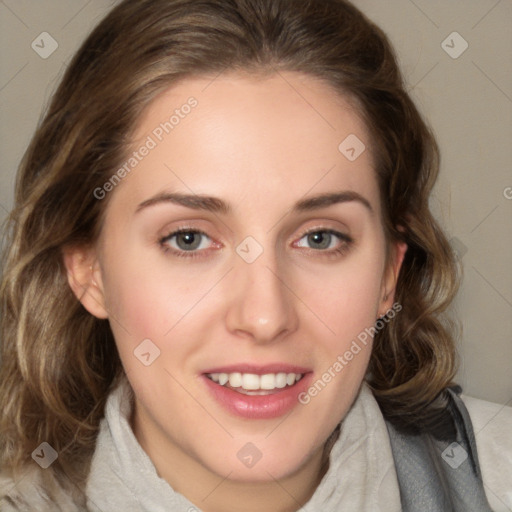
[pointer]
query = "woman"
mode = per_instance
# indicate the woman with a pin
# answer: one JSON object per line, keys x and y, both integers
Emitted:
{"x": 223, "y": 287}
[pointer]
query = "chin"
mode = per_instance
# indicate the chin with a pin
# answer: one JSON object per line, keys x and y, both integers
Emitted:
{"x": 251, "y": 465}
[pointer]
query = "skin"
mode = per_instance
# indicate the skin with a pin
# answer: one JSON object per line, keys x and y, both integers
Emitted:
{"x": 259, "y": 145}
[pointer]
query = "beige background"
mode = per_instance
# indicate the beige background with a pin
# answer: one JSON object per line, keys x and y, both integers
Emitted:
{"x": 468, "y": 101}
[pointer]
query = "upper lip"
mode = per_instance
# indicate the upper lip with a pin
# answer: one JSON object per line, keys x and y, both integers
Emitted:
{"x": 259, "y": 369}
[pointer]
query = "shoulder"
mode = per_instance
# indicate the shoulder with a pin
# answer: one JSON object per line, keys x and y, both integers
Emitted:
{"x": 492, "y": 425}
{"x": 33, "y": 490}
{"x": 440, "y": 471}
{"x": 19, "y": 493}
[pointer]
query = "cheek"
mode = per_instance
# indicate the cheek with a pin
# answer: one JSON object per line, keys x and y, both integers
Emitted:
{"x": 149, "y": 295}
{"x": 150, "y": 299}
{"x": 347, "y": 304}
{"x": 345, "y": 297}
{"x": 138, "y": 304}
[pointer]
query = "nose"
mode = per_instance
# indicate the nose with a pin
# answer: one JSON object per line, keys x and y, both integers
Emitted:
{"x": 261, "y": 305}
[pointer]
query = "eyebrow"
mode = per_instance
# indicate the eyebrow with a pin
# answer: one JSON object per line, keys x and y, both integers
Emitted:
{"x": 216, "y": 205}
{"x": 325, "y": 200}
{"x": 193, "y": 201}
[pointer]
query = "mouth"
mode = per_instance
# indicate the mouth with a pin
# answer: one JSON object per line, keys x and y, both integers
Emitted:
{"x": 253, "y": 384}
{"x": 257, "y": 392}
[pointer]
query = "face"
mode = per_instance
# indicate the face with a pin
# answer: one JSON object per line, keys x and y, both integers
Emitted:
{"x": 248, "y": 251}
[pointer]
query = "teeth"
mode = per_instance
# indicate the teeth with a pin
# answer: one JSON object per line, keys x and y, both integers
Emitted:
{"x": 280, "y": 380}
{"x": 253, "y": 382}
{"x": 250, "y": 381}
{"x": 235, "y": 380}
{"x": 268, "y": 381}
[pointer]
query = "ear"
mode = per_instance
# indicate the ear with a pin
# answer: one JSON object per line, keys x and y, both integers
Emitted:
{"x": 84, "y": 278}
{"x": 390, "y": 278}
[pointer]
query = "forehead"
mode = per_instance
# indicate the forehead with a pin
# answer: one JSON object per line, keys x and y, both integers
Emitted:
{"x": 237, "y": 135}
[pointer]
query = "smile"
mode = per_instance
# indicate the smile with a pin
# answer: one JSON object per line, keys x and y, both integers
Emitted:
{"x": 257, "y": 392}
{"x": 253, "y": 384}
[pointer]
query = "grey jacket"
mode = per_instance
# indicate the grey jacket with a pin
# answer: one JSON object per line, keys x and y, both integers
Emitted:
{"x": 436, "y": 476}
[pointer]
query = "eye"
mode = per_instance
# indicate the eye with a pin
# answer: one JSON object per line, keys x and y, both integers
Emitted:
{"x": 186, "y": 241}
{"x": 325, "y": 240}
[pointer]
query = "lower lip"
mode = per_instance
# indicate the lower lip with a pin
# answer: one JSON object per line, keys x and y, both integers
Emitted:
{"x": 270, "y": 406}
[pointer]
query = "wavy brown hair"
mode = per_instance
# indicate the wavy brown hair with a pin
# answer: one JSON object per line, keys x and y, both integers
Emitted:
{"x": 59, "y": 362}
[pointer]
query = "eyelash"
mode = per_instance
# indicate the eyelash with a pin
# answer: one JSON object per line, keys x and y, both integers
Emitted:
{"x": 346, "y": 243}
